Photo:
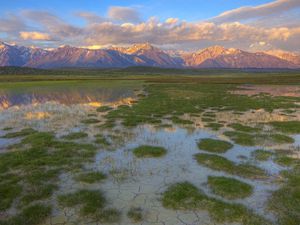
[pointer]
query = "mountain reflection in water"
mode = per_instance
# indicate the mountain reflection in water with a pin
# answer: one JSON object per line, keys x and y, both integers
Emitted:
{"x": 68, "y": 96}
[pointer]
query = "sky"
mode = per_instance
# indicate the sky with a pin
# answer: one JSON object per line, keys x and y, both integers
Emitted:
{"x": 253, "y": 25}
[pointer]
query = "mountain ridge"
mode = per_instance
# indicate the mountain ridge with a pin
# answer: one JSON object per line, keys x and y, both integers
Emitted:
{"x": 143, "y": 54}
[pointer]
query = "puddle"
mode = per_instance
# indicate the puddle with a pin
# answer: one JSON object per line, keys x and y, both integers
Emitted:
{"x": 274, "y": 90}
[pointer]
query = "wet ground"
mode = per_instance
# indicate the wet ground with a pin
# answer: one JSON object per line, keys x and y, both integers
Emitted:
{"x": 138, "y": 182}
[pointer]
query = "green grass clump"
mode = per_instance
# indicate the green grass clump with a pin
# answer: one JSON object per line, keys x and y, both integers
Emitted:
{"x": 108, "y": 216}
{"x": 22, "y": 133}
{"x": 213, "y": 145}
{"x": 281, "y": 139}
{"x": 185, "y": 196}
{"x": 75, "y": 135}
{"x": 292, "y": 127}
{"x": 39, "y": 192}
{"x": 229, "y": 188}
{"x": 8, "y": 193}
{"x": 7, "y": 128}
{"x": 208, "y": 119}
{"x": 39, "y": 159}
{"x": 261, "y": 155}
{"x": 101, "y": 140}
{"x": 214, "y": 126}
{"x": 92, "y": 204}
{"x": 285, "y": 160}
{"x": 33, "y": 215}
{"x": 243, "y": 128}
{"x": 177, "y": 120}
{"x": 241, "y": 138}
{"x": 104, "y": 109}
{"x": 91, "y": 201}
{"x": 91, "y": 177}
{"x": 220, "y": 163}
{"x": 135, "y": 214}
{"x": 146, "y": 151}
{"x": 285, "y": 202}
{"x": 90, "y": 121}
{"x": 249, "y": 139}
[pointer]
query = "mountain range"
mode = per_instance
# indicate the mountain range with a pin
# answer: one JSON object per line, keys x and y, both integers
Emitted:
{"x": 143, "y": 55}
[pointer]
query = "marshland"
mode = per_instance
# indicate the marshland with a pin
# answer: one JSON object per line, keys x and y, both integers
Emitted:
{"x": 159, "y": 147}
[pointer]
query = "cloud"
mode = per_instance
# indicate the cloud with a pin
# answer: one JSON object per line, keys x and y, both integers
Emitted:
{"x": 124, "y": 14}
{"x": 52, "y": 24}
{"x": 34, "y": 35}
{"x": 98, "y": 32}
{"x": 90, "y": 17}
{"x": 251, "y": 12}
{"x": 11, "y": 24}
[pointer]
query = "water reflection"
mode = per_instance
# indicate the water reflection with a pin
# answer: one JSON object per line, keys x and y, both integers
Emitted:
{"x": 93, "y": 96}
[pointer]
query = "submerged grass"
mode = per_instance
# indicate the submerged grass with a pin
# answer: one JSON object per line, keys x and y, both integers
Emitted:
{"x": 213, "y": 145}
{"x": 229, "y": 188}
{"x": 220, "y": 163}
{"x": 185, "y": 196}
{"x": 146, "y": 151}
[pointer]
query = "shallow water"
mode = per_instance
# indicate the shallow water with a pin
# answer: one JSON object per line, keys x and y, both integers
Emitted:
{"x": 70, "y": 93}
{"x": 134, "y": 182}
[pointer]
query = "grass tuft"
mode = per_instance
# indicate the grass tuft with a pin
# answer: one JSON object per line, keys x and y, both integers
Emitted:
{"x": 292, "y": 127}
{"x": 185, "y": 196}
{"x": 220, "y": 163}
{"x": 135, "y": 214}
{"x": 91, "y": 177}
{"x": 32, "y": 215}
{"x": 261, "y": 155}
{"x": 229, "y": 188}
{"x": 22, "y": 133}
{"x": 213, "y": 145}
{"x": 146, "y": 151}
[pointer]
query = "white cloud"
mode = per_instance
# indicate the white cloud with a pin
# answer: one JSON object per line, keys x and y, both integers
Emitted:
{"x": 124, "y": 14}
{"x": 251, "y": 12}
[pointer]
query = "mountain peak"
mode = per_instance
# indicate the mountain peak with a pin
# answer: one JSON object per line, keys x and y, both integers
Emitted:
{"x": 215, "y": 50}
{"x": 141, "y": 47}
{"x": 146, "y": 46}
